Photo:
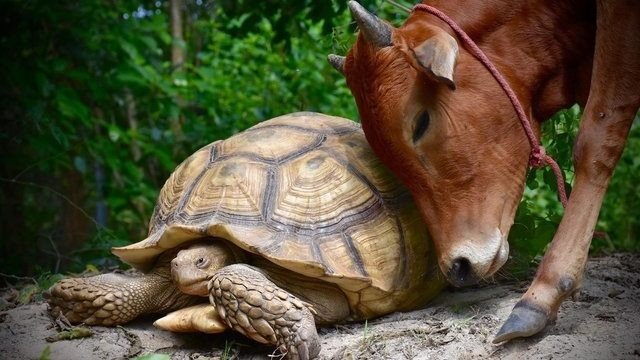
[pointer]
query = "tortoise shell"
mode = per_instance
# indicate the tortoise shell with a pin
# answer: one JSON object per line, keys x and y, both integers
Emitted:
{"x": 305, "y": 192}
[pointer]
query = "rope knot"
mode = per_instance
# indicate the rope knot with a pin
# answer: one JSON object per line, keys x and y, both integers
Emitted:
{"x": 538, "y": 157}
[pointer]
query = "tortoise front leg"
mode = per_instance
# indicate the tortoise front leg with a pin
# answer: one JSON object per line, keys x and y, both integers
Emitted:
{"x": 114, "y": 299}
{"x": 613, "y": 102}
{"x": 253, "y": 305}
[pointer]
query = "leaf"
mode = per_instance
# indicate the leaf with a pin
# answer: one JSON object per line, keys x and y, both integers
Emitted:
{"x": 114, "y": 133}
{"x": 238, "y": 22}
{"x": 180, "y": 82}
{"x": 132, "y": 51}
{"x": 545, "y": 232}
{"x": 46, "y": 353}
{"x": 80, "y": 164}
{"x": 149, "y": 42}
{"x": 70, "y": 105}
{"x": 74, "y": 333}
{"x": 91, "y": 268}
{"x": 59, "y": 135}
{"x": 130, "y": 77}
{"x": 27, "y": 294}
{"x": 47, "y": 280}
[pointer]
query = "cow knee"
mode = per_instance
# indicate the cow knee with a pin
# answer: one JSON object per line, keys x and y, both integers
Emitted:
{"x": 599, "y": 145}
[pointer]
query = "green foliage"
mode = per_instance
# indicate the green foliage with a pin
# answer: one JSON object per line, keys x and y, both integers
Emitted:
{"x": 46, "y": 280}
{"x": 290, "y": 19}
{"x": 27, "y": 293}
{"x": 98, "y": 116}
{"x": 618, "y": 217}
{"x": 33, "y": 291}
{"x": 228, "y": 351}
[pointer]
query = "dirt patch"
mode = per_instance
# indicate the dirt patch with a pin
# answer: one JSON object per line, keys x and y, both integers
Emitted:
{"x": 602, "y": 323}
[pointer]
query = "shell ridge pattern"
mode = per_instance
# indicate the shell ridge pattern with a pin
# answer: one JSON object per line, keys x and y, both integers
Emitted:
{"x": 338, "y": 131}
{"x": 179, "y": 213}
{"x": 160, "y": 215}
{"x": 214, "y": 153}
{"x": 214, "y": 156}
{"x": 275, "y": 242}
{"x": 352, "y": 169}
{"x": 157, "y": 219}
{"x": 384, "y": 203}
{"x": 402, "y": 272}
{"x": 232, "y": 219}
{"x": 319, "y": 141}
{"x": 321, "y": 138}
{"x": 243, "y": 188}
{"x": 269, "y": 197}
{"x": 355, "y": 254}
{"x": 368, "y": 213}
{"x": 319, "y": 258}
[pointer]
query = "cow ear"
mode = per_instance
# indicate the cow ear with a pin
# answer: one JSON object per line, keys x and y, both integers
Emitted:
{"x": 437, "y": 57}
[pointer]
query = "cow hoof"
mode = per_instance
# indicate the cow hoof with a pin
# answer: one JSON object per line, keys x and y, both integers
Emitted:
{"x": 526, "y": 319}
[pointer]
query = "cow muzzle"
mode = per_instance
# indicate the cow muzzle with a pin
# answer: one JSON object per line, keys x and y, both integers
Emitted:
{"x": 475, "y": 259}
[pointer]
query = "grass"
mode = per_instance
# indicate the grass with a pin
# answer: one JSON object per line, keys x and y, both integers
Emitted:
{"x": 228, "y": 350}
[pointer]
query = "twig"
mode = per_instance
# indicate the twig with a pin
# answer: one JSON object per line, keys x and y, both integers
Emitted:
{"x": 55, "y": 249}
{"x": 42, "y": 248}
{"x": 135, "y": 345}
{"x": 399, "y": 6}
{"x": 23, "y": 171}
{"x": 277, "y": 354}
{"x": 62, "y": 322}
{"x": 64, "y": 197}
{"x": 15, "y": 277}
{"x": 61, "y": 195}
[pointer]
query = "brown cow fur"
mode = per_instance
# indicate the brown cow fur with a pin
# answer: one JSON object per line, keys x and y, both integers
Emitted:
{"x": 467, "y": 172}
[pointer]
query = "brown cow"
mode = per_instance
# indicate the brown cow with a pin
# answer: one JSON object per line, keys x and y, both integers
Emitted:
{"x": 441, "y": 123}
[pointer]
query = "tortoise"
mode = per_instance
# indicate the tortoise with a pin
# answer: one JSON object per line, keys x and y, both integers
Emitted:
{"x": 290, "y": 224}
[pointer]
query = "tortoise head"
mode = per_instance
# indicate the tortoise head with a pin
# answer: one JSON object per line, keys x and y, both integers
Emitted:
{"x": 195, "y": 265}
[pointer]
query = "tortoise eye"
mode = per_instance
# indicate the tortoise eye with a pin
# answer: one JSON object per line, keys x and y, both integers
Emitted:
{"x": 201, "y": 262}
{"x": 421, "y": 125}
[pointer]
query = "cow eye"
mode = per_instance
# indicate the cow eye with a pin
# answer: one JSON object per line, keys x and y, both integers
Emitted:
{"x": 421, "y": 126}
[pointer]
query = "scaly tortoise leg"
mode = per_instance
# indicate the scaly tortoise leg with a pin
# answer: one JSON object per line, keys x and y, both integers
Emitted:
{"x": 613, "y": 101}
{"x": 253, "y": 305}
{"x": 115, "y": 299}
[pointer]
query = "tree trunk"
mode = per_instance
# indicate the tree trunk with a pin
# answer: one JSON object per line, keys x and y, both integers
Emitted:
{"x": 178, "y": 50}
{"x": 178, "y": 43}
{"x": 75, "y": 224}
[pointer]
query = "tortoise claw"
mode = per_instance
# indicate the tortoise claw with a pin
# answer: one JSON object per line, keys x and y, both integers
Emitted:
{"x": 526, "y": 319}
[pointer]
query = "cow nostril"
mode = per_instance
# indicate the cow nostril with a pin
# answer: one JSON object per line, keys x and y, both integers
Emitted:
{"x": 460, "y": 271}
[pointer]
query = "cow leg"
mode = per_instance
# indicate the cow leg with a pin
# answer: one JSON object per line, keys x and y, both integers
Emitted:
{"x": 613, "y": 102}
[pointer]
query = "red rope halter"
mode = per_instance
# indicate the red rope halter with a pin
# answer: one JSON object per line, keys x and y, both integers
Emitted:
{"x": 538, "y": 157}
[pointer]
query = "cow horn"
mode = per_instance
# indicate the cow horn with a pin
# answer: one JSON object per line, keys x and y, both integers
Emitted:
{"x": 337, "y": 62}
{"x": 375, "y": 31}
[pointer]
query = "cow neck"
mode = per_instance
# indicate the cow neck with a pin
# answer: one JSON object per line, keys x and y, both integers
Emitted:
{"x": 538, "y": 157}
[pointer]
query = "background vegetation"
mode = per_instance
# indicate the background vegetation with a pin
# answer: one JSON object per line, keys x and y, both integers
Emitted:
{"x": 100, "y": 100}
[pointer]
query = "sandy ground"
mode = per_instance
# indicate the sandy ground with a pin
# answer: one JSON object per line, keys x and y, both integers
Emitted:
{"x": 602, "y": 323}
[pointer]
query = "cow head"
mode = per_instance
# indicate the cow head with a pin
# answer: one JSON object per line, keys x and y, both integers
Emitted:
{"x": 441, "y": 123}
